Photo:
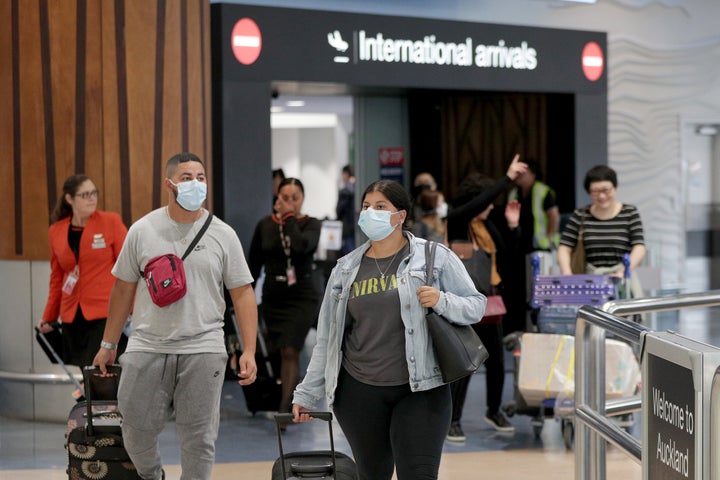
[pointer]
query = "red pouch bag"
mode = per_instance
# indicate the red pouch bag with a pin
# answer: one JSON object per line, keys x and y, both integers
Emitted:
{"x": 165, "y": 278}
{"x": 165, "y": 274}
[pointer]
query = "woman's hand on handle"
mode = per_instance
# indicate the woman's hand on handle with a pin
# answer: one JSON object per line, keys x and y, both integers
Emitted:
{"x": 300, "y": 413}
{"x": 44, "y": 326}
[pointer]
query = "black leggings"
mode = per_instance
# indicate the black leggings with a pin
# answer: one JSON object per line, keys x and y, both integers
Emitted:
{"x": 392, "y": 426}
{"x": 491, "y": 336}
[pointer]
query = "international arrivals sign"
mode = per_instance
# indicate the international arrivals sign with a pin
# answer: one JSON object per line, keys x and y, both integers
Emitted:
{"x": 280, "y": 44}
{"x": 432, "y": 51}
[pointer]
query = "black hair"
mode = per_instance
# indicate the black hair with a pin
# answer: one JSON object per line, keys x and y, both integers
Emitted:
{"x": 349, "y": 170}
{"x": 278, "y": 173}
{"x": 70, "y": 187}
{"x": 472, "y": 186}
{"x": 292, "y": 181}
{"x": 394, "y": 192}
{"x": 176, "y": 160}
{"x": 600, "y": 173}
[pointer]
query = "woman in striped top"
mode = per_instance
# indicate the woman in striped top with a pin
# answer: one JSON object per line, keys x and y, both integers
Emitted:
{"x": 609, "y": 228}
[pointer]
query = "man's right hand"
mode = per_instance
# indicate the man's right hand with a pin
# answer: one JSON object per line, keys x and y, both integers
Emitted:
{"x": 516, "y": 168}
{"x": 104, "y": 357}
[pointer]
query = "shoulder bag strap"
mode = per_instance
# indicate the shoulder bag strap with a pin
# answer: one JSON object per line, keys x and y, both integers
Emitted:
{"x": 585, "y": 211}
{"x": 429, "y": 261}
{"x": 198, "y": 236}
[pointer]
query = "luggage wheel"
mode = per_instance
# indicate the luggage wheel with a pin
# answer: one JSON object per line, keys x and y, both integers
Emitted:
{"x": 568, "y": 433}
{"x": 537, "y": 425}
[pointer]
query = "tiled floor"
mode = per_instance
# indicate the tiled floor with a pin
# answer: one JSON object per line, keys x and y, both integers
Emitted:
{"x": 247, "y": 445}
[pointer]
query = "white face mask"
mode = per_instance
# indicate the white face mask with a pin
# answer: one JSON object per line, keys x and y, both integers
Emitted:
{"x": 442, "y": 210}
{"x": 191, "y": 195}
{"x": 376, "y": 223}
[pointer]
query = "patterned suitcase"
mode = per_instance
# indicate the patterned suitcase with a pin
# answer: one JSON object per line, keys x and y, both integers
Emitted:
{"x": 94, "y": 438}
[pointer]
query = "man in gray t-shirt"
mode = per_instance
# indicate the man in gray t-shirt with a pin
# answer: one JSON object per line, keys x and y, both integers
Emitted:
{"x": 176, "y": 356}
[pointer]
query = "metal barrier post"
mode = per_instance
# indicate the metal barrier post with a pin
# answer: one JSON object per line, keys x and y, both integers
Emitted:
{"x": 591, "y": 423}
{"x": 590, "y": 393}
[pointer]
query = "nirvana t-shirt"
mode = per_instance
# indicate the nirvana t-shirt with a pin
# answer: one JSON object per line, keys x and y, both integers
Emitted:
{"x": 374, "y": 347}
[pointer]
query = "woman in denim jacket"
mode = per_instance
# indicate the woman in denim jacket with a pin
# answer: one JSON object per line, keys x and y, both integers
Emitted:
{"x": 374, "y": 362}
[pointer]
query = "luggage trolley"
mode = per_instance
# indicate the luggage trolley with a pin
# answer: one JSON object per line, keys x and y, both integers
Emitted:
{"x": 557, "y": 299}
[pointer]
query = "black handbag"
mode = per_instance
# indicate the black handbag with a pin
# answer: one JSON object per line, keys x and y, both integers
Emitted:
{"x": 458, "y": 349}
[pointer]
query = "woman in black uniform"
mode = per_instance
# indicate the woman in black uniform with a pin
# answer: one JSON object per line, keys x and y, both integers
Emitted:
{"x": 284, "y": 243}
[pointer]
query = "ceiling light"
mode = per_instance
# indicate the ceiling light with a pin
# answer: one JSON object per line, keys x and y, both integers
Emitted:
{"x": 708, "y": 130}
{"x": 303, "y": 120}
{"x": 295, "y": 103}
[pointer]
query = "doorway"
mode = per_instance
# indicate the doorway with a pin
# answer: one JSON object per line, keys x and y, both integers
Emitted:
{"x": 312, "y": 140}
{"x": 701, "y": 157}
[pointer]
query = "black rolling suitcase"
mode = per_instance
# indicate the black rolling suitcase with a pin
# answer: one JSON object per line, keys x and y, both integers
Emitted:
{"x": 94, "y": 436}
{"x": 263, "y": 395}
{"x": 327, "y": 464}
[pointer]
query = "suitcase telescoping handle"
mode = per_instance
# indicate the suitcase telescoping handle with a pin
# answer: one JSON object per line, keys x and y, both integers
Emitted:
{"x": 41, "y": 336}
{"x": 91, "y": 374}
{"x": 287, "y": 418}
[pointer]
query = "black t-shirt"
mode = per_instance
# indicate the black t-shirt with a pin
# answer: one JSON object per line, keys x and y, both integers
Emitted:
{"x": 374, "y": 342}
{"x": 74, "y": 236}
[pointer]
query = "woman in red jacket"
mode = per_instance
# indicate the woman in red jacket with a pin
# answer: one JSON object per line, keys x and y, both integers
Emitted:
{"x": 84, "y": 243}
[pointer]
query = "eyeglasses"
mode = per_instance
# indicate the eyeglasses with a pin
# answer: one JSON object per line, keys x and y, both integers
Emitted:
{"x": 86, "y": 195}
{"x": 594, "y": 192}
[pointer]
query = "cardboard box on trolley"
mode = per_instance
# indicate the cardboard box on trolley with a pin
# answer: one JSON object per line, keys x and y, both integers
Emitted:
{"x": 547, "y": 368}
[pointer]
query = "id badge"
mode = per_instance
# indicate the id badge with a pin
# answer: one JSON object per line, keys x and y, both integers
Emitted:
{"x": 291, "y": 279}
{"x": 71, "y": 281}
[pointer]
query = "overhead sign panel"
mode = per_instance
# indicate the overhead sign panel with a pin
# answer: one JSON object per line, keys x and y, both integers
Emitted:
{"x": 358, "y": 49}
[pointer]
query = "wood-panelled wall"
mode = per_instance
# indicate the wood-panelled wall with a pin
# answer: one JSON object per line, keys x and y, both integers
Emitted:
{"x": 109, "y": 88}
{"x": 471, "y": 140}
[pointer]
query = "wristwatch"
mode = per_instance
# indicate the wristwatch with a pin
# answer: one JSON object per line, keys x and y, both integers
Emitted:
{"x": 108, "y": 345}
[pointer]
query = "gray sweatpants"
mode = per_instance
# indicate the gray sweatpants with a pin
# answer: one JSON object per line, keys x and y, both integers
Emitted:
{"x": 151, "y": 385}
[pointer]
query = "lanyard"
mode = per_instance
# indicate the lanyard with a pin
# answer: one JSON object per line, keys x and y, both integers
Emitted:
{"x": 285, "y": 241}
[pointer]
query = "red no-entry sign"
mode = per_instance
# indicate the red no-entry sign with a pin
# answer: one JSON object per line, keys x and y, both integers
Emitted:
{"x": 246, "y": 41}
{"x": 593, "y": 61}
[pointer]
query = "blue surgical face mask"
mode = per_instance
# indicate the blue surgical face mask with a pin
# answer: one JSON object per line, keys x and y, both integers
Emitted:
{"x": 191, "y": 195}
{"x": 376, "y": 223}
